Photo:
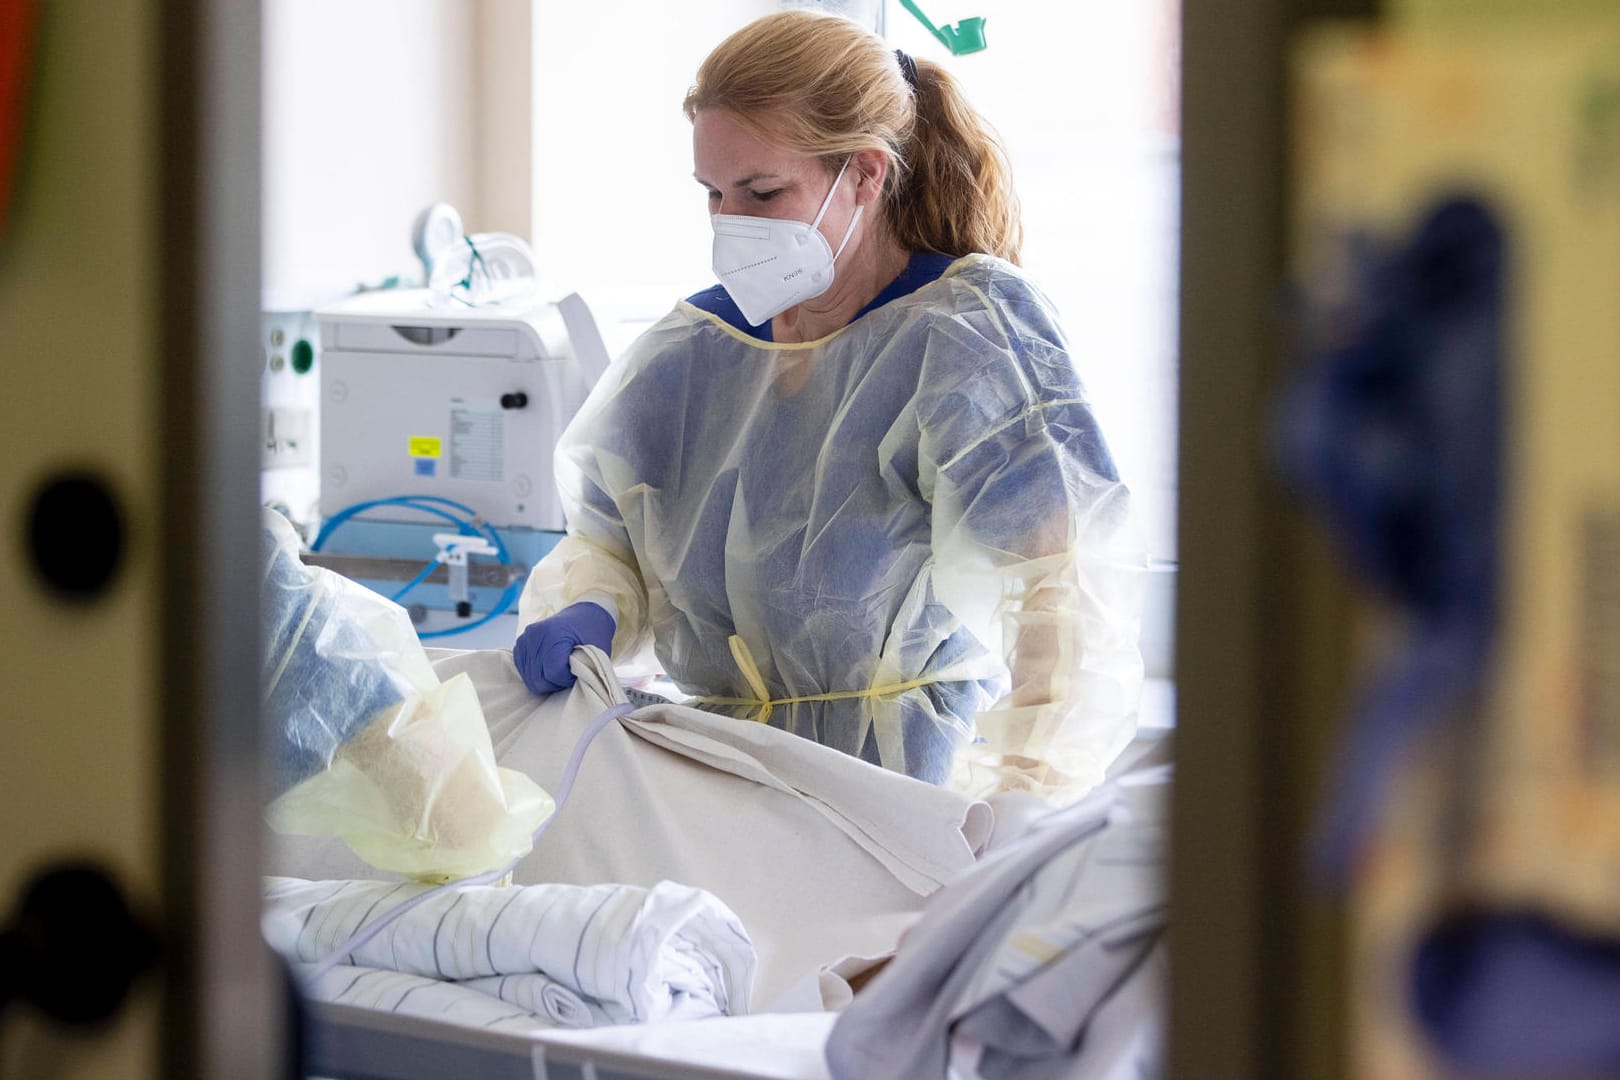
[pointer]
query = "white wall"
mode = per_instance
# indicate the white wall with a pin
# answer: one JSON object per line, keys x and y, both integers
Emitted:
{"x": 617, "y": 214}
{"x": 367, "y": 107}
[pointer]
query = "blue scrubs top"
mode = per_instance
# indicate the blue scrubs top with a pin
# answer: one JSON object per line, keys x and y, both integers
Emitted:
{"x": 925, "y": 267}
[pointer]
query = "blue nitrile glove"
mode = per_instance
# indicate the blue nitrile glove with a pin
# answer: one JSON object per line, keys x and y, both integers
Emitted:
{"x": 542, "y": 650}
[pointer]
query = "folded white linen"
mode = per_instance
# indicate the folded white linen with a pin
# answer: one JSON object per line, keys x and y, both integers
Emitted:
{"x": 548, "y": 999}
{"x": 419, "y": 996}
{"x": 643, "y": 955}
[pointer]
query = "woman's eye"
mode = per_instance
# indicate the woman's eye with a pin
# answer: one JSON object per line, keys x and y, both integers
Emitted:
{"x": 766, "y": 196}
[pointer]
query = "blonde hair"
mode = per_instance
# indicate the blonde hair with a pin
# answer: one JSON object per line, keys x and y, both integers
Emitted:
{"x": 819, "y": 84}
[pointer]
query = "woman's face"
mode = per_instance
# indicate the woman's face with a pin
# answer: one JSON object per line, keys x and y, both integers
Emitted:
{"x": 745, "y": 175}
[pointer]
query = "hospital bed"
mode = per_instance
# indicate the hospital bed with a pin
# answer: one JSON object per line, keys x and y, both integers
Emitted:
{"x": 822, "y": 856}
{"x": 347, "y": 1043}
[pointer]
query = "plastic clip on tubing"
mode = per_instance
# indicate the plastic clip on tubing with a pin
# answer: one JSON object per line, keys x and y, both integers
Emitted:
{"x": 434, "y": 505}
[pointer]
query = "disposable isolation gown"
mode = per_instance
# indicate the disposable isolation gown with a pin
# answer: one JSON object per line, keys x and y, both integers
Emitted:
{"x": 368, "y": 744}
{"x": 324, "y": 675}
{"x": 914, "y": 523}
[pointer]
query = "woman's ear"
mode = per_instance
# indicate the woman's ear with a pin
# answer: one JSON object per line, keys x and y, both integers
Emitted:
{"x": 870, "y": 167}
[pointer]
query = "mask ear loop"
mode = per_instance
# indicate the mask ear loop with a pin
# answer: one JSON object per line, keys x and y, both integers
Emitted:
{"x": 827, "y": 202}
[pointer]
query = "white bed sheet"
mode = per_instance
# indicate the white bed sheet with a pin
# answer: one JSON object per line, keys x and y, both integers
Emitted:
{"x": 822, "y": 856}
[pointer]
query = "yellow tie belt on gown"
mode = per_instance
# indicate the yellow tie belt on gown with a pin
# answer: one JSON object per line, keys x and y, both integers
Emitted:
{"x": 766, "y": 704}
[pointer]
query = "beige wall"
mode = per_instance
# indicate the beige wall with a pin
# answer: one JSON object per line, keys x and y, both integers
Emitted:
{"x": 503, "y": 116}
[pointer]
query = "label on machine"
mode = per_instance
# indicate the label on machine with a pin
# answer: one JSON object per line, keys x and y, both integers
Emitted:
{"x": 476, "y": 443}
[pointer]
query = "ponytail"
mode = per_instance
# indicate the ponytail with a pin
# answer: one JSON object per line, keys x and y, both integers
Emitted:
{"x": 955, "y": 194}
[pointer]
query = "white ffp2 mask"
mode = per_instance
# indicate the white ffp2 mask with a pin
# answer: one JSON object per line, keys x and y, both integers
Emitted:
{"x": 769, "y": 264}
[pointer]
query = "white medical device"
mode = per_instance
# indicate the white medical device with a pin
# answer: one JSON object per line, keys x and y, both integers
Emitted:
{"x": 461, "y": 403}
{"x": 289, "y": 404}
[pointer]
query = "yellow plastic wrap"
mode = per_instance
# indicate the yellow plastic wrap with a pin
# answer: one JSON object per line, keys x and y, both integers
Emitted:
{"x": 371, "y": 747}
{"x": 417, "y": 791}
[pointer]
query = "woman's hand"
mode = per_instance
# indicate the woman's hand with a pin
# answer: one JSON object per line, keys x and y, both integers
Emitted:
{"x": 542, "y": 650}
